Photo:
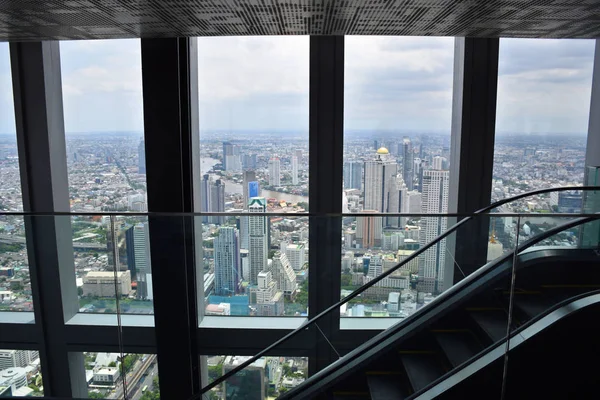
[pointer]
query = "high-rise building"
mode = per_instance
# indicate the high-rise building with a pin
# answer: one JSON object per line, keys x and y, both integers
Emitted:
{"x": 266, "y": 295}
{"x": 353, "y": 171}
{"x": 249, "y": 383}
{"x": 375, "y": 266}
{"x": 296, "y": 255}
{"x": 228, "y": 274}
{"x": 438, "y": 163}
{"x": 369, "y": 230}
{"x": 407, "y": 163}
{"x": 248, "y": 176}
{"x": 17, "y": 358}
{"x": 434, "y": 200}
{"x": 397, "y": 200}
{"x": 212, "y": 199}
{"x": 274, "y": 172}
{"x": 227, "y": 151}
{"x": 379, "y": 174}
{"x": 294, "y": 170}
{"x": 141, "y": 158}
{"x": 283, "y": 274}
{"x": 258, "y": 250}
{"x": 137, "y": 242}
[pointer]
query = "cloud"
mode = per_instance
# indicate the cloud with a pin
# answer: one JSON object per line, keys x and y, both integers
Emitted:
{"x": 396, "y": 83}
{"x": 102, "y": 85}
{"x": 544, "y": 86}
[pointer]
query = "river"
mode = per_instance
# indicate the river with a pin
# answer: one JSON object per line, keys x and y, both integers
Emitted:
{"x": 231, "y": 187}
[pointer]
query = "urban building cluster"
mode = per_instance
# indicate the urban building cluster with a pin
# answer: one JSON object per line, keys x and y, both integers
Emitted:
{"x": 257, "y": 264}
{"x": 265, "y": 378}
{"x": 20, "y": 373}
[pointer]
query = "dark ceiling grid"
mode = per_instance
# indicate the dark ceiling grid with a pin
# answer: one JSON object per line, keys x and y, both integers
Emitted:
{"x": 100, "y": 19}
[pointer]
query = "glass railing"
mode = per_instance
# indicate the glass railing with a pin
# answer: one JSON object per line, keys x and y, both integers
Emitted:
{"x": 396, "y": 266}
{"x": 462, "y": 248}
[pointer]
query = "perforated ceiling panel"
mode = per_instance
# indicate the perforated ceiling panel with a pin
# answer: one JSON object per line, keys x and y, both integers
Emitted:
{"x": 86, "y": 19}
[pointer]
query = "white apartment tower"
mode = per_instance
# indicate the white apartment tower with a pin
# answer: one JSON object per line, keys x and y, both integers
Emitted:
{"x": 434, "y": 200}
{"x": 258, "y": 251}
{"x": 379, "y": 174}
{"x": 294, "y": 170}
{"x": 274, "y": 172}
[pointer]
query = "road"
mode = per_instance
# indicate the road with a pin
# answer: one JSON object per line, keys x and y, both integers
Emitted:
{"x": 137, "y": 394}
{"x": 133, "y": 378}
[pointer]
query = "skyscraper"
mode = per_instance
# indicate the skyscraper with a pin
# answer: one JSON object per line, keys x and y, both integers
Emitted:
{"x": 249, "y": 176}
{"x": 397, "y": 200}
{"x": 138, "y": 259}
{"x": 212, "y": 199}
{"x": 227, "y": 151}
{"x": 283, "y": 274}
{"x": 141, "y": 158}
{"x": 434, "y": 200}
{"x": 251, "y": 188}
{"x": 353, "y": 171}
{"x": 407, "y": 163}
{"x": 379, "y": 173}
{"x": 258, "y": 250}
{"x": 369, "y": 230}
{"x": 294, "y": 170}
{"x": 274, "y": 172}
{"x": 227, "y": 262}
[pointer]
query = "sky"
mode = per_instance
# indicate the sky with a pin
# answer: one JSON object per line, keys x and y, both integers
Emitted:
{"x": 399, "y": 84}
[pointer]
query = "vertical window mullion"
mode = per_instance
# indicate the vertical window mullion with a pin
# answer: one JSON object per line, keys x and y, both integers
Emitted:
{"x": 325, "y": 171}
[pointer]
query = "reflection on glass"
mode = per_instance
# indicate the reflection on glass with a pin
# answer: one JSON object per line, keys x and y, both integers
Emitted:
{"x": 116, "y": 376}
{"x": 268, "y": 377}
{"x": 102, "y": 92}
{"x": 542, "y": 118}
{"x": 253, "y": 122}
{"x": 20, "y": 373}
{"x": 256, "y": 265}
{"x": 112, "y": 262}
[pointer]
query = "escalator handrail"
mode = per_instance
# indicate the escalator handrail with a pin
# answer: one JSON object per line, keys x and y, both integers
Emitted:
{"x": 316, "y": 380}
{"x": 379, "y": 278}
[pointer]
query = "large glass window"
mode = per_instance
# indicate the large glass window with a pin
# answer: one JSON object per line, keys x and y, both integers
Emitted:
{"x": 15, "y": 285}
{"x": 397, "y": 113}
{"x": 542, "y": 119}
{"x": 102, "y": 92}
{"x": 254, "y": 159}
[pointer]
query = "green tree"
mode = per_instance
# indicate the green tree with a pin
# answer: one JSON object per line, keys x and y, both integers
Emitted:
{"x": 80, "y": 291}
{"x": 112, "y": 364}
{"x": 96, "y": 395}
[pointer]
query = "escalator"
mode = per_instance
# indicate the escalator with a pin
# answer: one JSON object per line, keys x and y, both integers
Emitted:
{"x": 459, "y": 353}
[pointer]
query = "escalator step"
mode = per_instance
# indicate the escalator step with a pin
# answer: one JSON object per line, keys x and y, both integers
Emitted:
{"x": 493, "y": 323}
{"x": 421, "y": 369}
{"x": 532, "y": 306}
{"x": 385, "y": 387}
{"x": 458, "y": 346}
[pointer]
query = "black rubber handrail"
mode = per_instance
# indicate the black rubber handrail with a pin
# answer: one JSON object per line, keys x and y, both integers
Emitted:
{"x": 379, "y": 278}
{"x": 315, "y": 381}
